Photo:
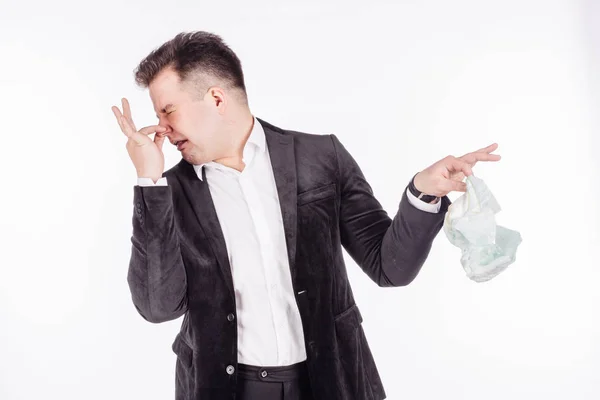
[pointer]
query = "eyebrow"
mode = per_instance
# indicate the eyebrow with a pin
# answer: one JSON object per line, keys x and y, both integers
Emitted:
{"x": 164, "y": 110}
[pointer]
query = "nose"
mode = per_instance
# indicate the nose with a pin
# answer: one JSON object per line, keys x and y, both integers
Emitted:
{"x": 165, "y": 124}
{"x": 167, "y": 132}
{"x": 162, "y": 121}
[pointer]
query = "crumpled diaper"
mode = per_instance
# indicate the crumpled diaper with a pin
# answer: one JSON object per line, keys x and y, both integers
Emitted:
{"x": 469, "y": 224}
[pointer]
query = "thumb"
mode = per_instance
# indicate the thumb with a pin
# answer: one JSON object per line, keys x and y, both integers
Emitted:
{"x": 159, "y": 140}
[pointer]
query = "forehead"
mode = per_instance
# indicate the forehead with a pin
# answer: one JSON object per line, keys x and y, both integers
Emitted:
{"x": 166, "y": 90}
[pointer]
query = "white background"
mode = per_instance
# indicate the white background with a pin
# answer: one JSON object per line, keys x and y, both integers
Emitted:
{"x": 402, "y": 84}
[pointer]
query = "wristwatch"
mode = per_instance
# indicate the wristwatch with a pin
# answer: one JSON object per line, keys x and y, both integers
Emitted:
{"x": 427, "y": 198}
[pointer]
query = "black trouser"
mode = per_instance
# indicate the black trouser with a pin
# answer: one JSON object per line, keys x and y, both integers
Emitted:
{"x": 273, "y": 383}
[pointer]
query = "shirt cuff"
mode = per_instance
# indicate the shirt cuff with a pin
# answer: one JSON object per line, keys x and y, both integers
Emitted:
{"x": 421, "y": 205}
{"x": 149, "y": 182}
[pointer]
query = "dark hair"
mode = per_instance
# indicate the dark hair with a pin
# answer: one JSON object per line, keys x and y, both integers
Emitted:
{"x": 192, "y": 53}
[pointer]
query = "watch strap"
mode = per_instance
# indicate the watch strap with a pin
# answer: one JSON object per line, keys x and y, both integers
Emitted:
{"x": 427, "y": 198}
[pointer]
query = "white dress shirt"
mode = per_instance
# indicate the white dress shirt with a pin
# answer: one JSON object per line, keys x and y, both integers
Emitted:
{"x": 247, "y": 205}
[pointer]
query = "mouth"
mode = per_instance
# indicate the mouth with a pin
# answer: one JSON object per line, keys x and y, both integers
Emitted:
{"x": 179, "y": 144}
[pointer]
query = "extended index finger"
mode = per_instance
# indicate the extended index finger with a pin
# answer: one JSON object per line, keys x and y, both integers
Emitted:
{"x": 488, "y": 149}
{"x": 482, "y": 154}
{"x": 472, "y": 158}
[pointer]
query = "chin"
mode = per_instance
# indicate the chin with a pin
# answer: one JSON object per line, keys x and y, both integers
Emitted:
{"x": 189, "y": 158}
{"x": 192, "y": 157}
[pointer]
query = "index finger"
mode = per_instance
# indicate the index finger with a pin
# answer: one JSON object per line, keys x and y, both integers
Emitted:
{"x": 488, "y": 149}
{"x": 472, "y": 158}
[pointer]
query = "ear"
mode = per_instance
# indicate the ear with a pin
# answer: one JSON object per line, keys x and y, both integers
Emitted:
{"x": 216, "y": 96}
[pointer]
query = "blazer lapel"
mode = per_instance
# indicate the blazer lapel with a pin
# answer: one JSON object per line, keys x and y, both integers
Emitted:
{"x": 201, "y": 200}
{"x": 283, "y": 162}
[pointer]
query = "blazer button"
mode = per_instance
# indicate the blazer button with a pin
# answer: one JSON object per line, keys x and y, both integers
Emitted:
{"x": 230, "y": 317}
{"x": 230, "y": 370}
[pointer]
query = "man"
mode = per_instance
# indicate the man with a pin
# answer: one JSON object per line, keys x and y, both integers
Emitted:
{"x": 244, "y": 236}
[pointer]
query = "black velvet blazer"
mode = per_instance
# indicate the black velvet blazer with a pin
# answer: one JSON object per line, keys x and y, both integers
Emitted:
{"x": 179, "y": 265}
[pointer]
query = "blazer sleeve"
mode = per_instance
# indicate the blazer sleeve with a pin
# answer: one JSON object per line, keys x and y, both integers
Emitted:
{"x": 390, "y": 251}
{"x": 156, "y": 275}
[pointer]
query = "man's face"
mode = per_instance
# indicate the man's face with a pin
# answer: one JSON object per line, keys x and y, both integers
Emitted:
{"x": 192, "y": 119}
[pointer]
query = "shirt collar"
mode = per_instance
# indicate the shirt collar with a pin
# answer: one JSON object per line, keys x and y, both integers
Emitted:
{"x": 256, "y": 138}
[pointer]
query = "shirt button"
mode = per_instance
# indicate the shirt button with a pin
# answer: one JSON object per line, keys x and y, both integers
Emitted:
{"x": 230, "y": 317}
{"x": 230, "y": 370}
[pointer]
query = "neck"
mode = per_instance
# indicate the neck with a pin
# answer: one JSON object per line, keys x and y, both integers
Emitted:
{"x": 239, "y": 127}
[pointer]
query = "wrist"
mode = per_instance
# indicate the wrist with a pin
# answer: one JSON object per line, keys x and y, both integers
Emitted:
{"x": 418, "y": 193}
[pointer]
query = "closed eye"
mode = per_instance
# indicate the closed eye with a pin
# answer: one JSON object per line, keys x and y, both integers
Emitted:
{"x": 166, "y": 113}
